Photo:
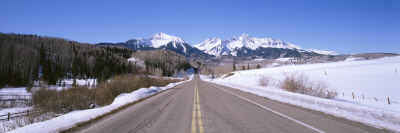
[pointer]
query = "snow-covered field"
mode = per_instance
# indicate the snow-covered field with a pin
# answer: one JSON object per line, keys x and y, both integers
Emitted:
{"x": 70, "y": 119}
{"x": 370, "y": 79}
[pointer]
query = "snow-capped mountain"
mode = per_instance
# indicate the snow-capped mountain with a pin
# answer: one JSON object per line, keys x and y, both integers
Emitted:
{"x": 159, "y": 41}
{"x": 211, "y": 46}
{"x": 156, "y": 41}
{"x": 217, "y": 47}
{"x": 243, "y": 46}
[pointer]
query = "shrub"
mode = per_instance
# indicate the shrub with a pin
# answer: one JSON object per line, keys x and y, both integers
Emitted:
{"x": 106, "y": 92}
{"x": 81, "y": 97}
{"x": 29, "y": 86}
{"x": 63, "y": 101}
{"x": 300, "y": 83}
{"x": 264, "y": 81}
{"x": 227, "y": 75}
{"x": 43, "y": 96}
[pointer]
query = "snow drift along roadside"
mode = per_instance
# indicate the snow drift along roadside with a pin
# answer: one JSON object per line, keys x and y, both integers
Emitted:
{"x": 71, "y": 119}
{"x": 370, "y": 116}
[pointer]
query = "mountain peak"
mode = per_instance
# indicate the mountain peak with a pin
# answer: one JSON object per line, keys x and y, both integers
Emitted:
{"x": 219, "y": 47}
{"x": 161, "y": 34}
{"x": 244, "y": 35}
{"x": 159, "y": 39}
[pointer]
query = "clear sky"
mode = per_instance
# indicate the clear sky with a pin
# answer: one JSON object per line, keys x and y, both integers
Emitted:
{"x": 343, "y": 26}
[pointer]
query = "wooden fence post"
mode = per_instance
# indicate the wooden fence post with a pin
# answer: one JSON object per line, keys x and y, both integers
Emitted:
{"x": 343, "y": 94}
{"x": 375, "y": 99}
{"x": 362, "y": 96}
{"x": 8, "y": 118}
{"x": 388, "y": 101}
{"x": 352, "y": 94}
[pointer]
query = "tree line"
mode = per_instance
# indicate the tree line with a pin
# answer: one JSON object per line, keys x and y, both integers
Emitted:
{"x": 162, "y": 62}
{"x": 28, "y": 58}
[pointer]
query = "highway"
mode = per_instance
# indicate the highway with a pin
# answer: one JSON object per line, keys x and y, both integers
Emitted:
{"x": 199, "y": 106}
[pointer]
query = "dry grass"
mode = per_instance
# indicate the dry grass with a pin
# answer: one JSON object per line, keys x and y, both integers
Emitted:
{"x": 66, "y": 100}
{"x": 106, "y": 92}
{"x": 227, "y": 75}
{"x": 300, "y": 83}
{"x": 264, "y": 81}
{"x": 81, "y": 97}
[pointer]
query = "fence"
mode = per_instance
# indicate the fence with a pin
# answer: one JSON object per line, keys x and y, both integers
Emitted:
{"x": 363, "y": 97}
{"x": 353, "y": 95}
{"x": 9, "y": 115}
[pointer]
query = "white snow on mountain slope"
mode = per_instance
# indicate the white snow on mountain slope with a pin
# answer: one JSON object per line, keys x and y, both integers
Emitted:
{"x": 217, "y": 47}
{"x": 211, "y": 46}
{"x": 158, "y": 40}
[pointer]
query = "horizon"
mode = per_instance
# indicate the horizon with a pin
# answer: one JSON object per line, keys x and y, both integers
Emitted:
{"x": 345, "y": 27}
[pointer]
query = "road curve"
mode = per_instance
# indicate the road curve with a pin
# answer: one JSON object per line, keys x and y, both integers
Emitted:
{"x": 199, "y": 106}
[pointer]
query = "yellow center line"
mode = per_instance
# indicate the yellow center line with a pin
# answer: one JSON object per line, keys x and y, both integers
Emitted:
{"x": 199, "y": 121}
{"x": 194, "y": 114}
{"x": 199, "y": 112}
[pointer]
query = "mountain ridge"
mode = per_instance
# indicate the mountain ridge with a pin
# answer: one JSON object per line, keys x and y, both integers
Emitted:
{"x": 218, "y": 47}
{"x": 242, "y": 46}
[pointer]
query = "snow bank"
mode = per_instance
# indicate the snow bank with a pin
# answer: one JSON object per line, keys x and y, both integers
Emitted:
{"x": 368, "y": 78}
{"x": 13, "y": 91}
{"x": 71, "y": 119}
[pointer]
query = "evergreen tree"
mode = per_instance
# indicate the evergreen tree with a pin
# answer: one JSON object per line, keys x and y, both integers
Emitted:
{"x": 258, "y": 66}
{"x": 42, "y": 55}
{"x": 74, "y": 83}
{"x": 244, "y": 68}
{"x": 54, "y": 59}
{"x": 248, "y": 66}
{"x": 234, "y": 66}
{"x": 212, "y": 73}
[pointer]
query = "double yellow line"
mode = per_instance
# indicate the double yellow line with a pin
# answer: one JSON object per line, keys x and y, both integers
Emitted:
{"x": 198, "y": 112}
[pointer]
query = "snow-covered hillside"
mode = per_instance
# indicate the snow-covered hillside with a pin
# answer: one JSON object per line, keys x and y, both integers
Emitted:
{"x": 216, "y": 46}
{"x": 372, "y": 82}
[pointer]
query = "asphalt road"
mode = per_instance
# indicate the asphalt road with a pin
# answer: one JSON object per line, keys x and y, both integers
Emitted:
{"x": 199, "y": 106}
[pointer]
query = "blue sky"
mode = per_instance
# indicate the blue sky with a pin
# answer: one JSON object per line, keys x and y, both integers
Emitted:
{"x": 343, "y": 26}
